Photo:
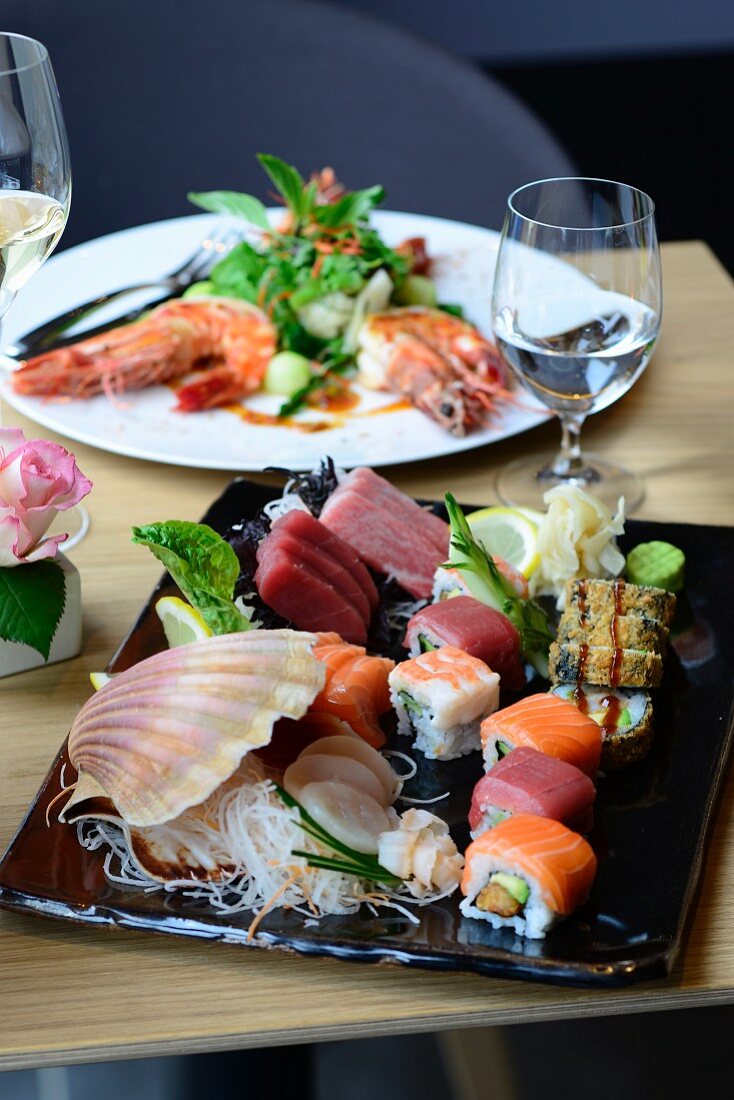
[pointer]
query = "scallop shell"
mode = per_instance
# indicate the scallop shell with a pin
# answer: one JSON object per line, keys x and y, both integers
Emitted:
{"x": 163, "y": 735}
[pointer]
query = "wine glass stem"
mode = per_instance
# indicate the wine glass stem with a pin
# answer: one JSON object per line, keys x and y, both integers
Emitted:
{"x": 569, "y": 461}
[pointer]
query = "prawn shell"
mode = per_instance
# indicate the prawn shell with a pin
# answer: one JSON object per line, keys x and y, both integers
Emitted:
{"x": 163, "y": 735}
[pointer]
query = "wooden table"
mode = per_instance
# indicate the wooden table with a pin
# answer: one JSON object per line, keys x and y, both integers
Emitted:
{"x": 78, "y": 994}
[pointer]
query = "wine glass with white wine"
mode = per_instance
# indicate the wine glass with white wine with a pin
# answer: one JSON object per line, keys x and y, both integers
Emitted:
{"x": 35, "y": 175}
{"x": 576, "y": 306}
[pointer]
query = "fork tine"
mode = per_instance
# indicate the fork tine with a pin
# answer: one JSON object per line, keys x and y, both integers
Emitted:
{"x": 212, "y": 249}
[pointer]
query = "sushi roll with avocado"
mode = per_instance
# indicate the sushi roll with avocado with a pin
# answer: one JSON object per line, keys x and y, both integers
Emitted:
{"x": 624, "y": 716}
{"x": 526, "y": 873}
{"x": 440, "y": 698}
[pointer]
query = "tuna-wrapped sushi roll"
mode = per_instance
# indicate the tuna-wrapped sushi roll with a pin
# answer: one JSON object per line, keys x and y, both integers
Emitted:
{"x": 546, "y": 723}
{"x": 473, "y": 627}
{"x": 440, "y": 698}
{"x": 526, "y": 873}
{"x": 529, "y": 782}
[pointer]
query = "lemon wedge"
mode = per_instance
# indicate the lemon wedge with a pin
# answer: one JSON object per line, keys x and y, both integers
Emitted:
{"x": 99, "y": 679}
{"x": 507, "y": 533}
{"x": 181, "y": 622}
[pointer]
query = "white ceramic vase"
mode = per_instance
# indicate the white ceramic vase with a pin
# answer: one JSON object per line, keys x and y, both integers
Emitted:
{"x": 67, "y": 641}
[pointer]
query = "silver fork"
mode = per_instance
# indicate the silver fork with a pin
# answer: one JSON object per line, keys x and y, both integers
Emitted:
{"x": 196, "y": 267}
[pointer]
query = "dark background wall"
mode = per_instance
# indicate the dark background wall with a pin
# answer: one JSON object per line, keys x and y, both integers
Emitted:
{"x": 636, "y": 91}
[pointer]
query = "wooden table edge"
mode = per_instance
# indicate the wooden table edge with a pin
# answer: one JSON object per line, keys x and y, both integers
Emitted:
{"x": 632, "y": 1004}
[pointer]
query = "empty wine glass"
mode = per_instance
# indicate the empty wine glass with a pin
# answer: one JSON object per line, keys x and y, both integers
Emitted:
{"x": 35, "y": 180}
{"x": 577, "y": 303}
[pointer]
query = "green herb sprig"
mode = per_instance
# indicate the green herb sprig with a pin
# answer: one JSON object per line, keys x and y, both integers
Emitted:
{"x": 527, "y": 616}
{"x": 353, "y": 862}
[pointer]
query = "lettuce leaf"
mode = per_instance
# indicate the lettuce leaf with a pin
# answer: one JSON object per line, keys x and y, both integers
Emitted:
{"x": 204, "y": 567}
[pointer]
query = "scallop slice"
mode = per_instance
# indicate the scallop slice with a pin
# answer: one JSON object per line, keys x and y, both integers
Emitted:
{"x": 318, "y": 767}
{"x": 359, "y": 750}
{"x": 351, "y": 816}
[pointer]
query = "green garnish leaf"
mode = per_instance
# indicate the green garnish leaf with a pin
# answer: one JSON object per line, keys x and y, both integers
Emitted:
{"x": 234, "y": 203}
{"x": 204, "y": 567}
{"x": 527, "y": 616}
{"x": 351, "y": 208}
{"x": 32, "y": 601}
{"x": 290, "y": 184}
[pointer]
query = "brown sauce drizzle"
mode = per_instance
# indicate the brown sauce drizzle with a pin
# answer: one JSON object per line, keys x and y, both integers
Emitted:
{"x": 579, "y": 695}
{"x": 616, "y": 650}
{"x": 583, "y": 606}
{"x": 612, "y": 709}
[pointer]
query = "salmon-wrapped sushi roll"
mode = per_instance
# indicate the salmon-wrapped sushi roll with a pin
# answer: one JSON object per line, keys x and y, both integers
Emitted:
{"x": 527, "y": 781}
{"x": 440, "y": 698}
{"x": 526, "y": 873}
{"x": 546, "y": 723}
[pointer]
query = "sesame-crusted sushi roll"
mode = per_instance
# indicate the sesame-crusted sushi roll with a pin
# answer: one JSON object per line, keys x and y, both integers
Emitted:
{"x": 546, "y": 723}
{"x": 527, "y": 781}
{"x": 526, "y": 873}
{"x": 440, "y": 698}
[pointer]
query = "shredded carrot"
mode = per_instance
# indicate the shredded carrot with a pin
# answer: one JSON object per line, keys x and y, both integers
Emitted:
{"x": 269, "y": 905}
{"x": 263, "y": 289}
{"x": 274, "y": 301}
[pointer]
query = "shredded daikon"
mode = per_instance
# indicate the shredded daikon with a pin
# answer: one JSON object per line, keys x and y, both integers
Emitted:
{"x": 246, "y": 828}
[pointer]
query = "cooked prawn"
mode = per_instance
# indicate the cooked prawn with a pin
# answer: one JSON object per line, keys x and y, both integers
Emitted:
{"x": 233, "y": 338}
{"x": 443, "y": 365}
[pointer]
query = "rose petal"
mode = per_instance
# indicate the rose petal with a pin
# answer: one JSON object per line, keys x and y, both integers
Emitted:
{"x": 10, "y": 440}
{"x": 46, "y": 548}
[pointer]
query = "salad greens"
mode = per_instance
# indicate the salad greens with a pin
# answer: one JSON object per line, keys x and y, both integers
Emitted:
{"x": 527, "y": 616}
{"x": 204, "y": 567}
{"x": 323, "y": 255}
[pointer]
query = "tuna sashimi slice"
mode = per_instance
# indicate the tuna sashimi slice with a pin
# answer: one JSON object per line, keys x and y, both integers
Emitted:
{"x": 305, "y": 526}
{"x": 529, "y": 782}
{"x": 388, "y": 539}
{"x": 304, "y": 597}
{"x": 324, "y": 566}
{"x": 479, "y": 630}
{"x": 365, "y": 481}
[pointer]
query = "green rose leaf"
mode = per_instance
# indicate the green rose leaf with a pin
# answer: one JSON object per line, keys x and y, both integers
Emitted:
{"x": 32, "y": 600}
{"x": 204, "y": 567}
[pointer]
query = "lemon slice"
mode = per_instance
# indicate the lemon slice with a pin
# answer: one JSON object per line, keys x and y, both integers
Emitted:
{"x": 99, "y": 679}
{"x": 181, "y": 622}
{"x": 507, "y": 533}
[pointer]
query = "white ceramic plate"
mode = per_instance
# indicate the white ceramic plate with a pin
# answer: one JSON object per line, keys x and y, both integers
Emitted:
{"x": 143, "y": 425}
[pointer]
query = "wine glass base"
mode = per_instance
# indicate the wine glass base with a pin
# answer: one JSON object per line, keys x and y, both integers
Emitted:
{"x": 522, "y": 484}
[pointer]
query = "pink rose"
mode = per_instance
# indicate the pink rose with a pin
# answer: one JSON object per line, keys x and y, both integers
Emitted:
{"x": 37, "y": 480}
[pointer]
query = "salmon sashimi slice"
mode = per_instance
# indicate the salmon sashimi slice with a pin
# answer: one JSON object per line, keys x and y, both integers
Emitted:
{"x": 356, "y": 689}
{"x": 538, "y": 722}
{"x": 560, "y": 862}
